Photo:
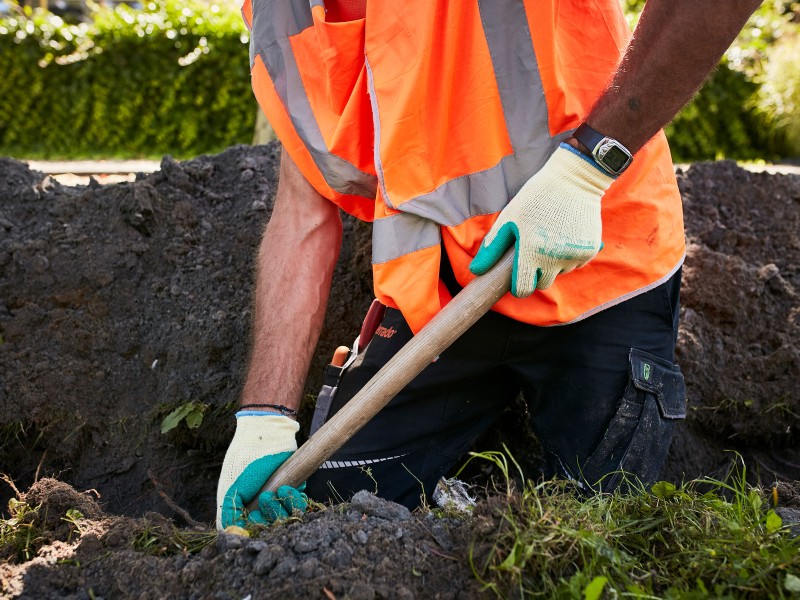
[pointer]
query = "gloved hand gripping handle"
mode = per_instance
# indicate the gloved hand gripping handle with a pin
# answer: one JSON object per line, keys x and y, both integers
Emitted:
{"x": 453, "y": 320}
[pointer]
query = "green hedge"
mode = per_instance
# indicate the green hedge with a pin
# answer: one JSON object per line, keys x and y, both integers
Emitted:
{"x": 732, "y": 116}
{"x": 746, "y": 110}
{"x": 172, "y": 78}
{"x": 724, "y": 121}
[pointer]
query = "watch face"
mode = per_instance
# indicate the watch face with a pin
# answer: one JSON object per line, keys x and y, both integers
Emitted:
{"x": 615, "y": 158}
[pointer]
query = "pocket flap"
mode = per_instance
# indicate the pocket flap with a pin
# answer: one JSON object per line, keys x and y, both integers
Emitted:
{"x": 661, "y": 378}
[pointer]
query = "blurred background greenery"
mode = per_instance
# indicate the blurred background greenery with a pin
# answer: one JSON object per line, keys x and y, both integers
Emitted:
{"x": 143, "y": 78}
{"x": 168, "y": 77}
{"x": 750, "y": 106}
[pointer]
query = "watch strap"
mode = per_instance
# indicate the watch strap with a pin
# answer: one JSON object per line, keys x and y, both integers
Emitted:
{"x": 588, "y": 137}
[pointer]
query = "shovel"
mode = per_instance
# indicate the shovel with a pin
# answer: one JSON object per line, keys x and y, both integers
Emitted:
{"x": 449, "y": 323}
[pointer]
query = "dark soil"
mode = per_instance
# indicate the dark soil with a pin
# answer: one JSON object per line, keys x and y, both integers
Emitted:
{"x": 119, "y": 303}
{"x": 369, "y": 548}
{"x": 739, "y": 342}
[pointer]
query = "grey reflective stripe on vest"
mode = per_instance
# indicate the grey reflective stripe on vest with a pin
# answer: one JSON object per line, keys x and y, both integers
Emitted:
{"x": 516, "y": 71}
{"x": 482, "y": 193}
{"x": 376, "y": 128}
{"x": 401, "y": 234}
{"x": 525, "y": 110}
{"x": 281, "y": 21}
{"x": 273, "y": 22}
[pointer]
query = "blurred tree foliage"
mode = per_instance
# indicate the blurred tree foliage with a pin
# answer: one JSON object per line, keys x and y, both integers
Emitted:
{"x": 171, "y": 78}
{"x": 748, "y": 108}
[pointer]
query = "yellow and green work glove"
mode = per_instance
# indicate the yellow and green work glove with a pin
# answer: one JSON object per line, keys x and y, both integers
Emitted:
{"x": 261, "y": 444}
{"x": 553, "y": 222}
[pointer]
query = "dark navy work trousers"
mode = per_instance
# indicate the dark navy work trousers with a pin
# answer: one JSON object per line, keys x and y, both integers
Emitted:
{"x": 603, "y": 396}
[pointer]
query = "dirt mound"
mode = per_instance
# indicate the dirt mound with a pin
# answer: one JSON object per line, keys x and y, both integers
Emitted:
{"x": 121, "y": 303}
{"x": 739, "y": 342}
{"x": 367, "y": 549}
{"x": 743, "y": 302}
{"x": 54, "y": 498}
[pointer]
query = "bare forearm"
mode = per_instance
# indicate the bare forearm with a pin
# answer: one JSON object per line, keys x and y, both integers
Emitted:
{"x": 675, "y": 46}
{"x": 295, "y": 266}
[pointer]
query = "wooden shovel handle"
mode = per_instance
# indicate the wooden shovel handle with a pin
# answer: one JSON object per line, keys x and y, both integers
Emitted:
{"x": 453, "y": 320}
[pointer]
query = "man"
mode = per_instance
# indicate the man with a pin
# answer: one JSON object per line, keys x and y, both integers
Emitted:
{"x": 461, "y": 129}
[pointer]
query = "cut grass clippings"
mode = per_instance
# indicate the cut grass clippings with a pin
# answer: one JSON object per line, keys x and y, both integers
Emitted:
{"x": 704, "y": 539}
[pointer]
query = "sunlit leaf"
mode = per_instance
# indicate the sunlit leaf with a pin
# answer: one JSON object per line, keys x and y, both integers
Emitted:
{"x": 594, "y": 590}
{"x": 773, "y": 522}
{"x": 173, "y": 419}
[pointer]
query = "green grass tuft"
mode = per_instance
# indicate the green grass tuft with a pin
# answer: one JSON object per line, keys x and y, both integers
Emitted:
{"x": 707, "y": 538}
{"x": 20, "y": 534}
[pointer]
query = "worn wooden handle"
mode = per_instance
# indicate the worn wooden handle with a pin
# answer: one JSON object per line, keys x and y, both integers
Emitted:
{"x": 453, "y": 320}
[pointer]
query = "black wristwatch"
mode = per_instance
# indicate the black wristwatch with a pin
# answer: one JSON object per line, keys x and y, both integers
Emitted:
{"x": 611, "y": 155}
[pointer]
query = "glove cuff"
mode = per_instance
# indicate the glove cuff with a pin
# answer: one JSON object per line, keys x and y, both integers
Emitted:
{"x": 579, "y": 169}
{"x": 265, "y": 434}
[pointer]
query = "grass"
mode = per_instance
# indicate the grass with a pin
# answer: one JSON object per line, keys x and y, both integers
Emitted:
{"x": 707, "y": 538}
{"x": 20, "y": 534}
{"x": 160, "y": 540}
{"x": 20, "y": 537}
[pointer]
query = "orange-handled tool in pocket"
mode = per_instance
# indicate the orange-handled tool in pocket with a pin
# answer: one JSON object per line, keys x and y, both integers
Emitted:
{"x": 343, "y": 358}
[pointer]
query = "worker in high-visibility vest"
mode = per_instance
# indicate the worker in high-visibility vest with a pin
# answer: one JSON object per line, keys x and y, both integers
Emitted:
{"x": 460, "y": 129}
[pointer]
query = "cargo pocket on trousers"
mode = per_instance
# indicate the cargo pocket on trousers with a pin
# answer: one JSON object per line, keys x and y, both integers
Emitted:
{"x": 635, "y": 445}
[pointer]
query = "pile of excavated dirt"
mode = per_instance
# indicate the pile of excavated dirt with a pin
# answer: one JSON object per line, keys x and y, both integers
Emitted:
{"x": 368, "y": 548}
{"x": 739, "y": 341}
{"x": 120, "y": 303}
{"x": 123, "y": 302}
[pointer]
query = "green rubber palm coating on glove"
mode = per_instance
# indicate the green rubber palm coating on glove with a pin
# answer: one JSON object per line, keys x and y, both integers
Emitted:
{"x": 283, "y": 503}
{"x": 488, "y": 255}
{"x": 272, "y": 505}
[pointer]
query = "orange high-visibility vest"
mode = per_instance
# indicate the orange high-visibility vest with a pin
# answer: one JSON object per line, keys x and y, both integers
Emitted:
{"x": 427, "y": 116}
